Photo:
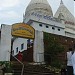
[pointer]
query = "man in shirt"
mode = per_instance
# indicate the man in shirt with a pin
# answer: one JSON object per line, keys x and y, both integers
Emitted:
{"x": 69, "y": 62}
{"x": 73, "y": 60}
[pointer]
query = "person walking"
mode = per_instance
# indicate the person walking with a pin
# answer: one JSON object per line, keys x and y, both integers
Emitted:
{"x": 69, "y": 62}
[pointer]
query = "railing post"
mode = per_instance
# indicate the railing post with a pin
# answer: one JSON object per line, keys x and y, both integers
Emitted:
{"x": 19, "y": 62}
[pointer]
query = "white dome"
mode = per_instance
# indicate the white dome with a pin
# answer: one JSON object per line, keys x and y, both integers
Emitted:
{"x": 38, "y": 1}
{"x": 41, "y": 6}
{"x": 65, "y": 12}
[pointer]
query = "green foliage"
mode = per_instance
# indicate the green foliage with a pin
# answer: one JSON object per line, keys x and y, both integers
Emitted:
{"x": 52, "y": 49}
{"x": 7, "y": 66}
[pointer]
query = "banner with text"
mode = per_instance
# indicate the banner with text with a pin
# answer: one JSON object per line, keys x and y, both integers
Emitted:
{"x": 23, "y": 30}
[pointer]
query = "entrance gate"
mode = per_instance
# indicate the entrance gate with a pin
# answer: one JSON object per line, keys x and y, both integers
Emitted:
{"x": 22, "y": 32}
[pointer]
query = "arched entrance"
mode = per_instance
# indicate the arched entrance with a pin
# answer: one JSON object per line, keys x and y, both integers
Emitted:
{"x": 23, "y": 36}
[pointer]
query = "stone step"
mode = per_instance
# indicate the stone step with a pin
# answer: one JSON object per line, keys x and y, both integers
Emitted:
{"x": 31, "y": 69}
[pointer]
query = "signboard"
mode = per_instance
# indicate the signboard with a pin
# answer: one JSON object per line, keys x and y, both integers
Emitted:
{"x": 68, "y": 22}
{"x": 47, "y": 17}
{"x": 23, "y": 30}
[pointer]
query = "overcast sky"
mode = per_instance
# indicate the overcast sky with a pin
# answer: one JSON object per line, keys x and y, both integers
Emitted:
{"x": 11, "y": 11}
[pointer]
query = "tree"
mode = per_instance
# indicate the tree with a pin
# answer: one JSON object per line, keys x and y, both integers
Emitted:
{"x": 52, "y": 49}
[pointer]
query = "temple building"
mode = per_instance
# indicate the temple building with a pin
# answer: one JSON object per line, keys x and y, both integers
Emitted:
{"x": 39, "y": 15}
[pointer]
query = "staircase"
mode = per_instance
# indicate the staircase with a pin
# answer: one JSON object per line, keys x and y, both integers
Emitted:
{"x": 30, "y": 69}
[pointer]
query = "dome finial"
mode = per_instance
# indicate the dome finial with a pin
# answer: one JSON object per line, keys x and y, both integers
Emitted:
{"x": 61, "y": 2}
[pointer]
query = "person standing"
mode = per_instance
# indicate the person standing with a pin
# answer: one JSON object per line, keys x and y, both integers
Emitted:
{"x": 69, "y": 62}
{"x": 20, "y": 56}
{"x": 73, "y": 60}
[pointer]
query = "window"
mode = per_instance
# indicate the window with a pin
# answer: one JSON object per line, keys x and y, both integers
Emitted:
{"x": 58, "y": 29}
{"x": 16, "y": 49}
{"x": 47, "y": 26}
{"x": 28, "y": 43}
{"x": 22, "y": 46}
{"x": 40, "y": 25}
{"x": 53, "y": 28}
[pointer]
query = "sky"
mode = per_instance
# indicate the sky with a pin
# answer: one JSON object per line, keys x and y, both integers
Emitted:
{"x": 11, "y": 11}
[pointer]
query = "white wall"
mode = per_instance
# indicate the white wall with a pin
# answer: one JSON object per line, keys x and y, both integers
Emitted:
{"x": 5, "y": 43}
{"x": 17, "y": 43}
{"x": 39, "y": 18}
{"x": 36, "y": 26}
{"x": 71, "y": 35}
{"x": 38, "y": 53}
{"x": 46, "y": 20}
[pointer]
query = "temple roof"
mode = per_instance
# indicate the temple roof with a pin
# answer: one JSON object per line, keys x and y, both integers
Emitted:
{"x": 41, "y": 6}
{"x": 65, "y": 12}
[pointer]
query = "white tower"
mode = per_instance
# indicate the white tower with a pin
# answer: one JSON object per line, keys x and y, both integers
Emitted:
{"x": 41, "y": 6}
{"x": 65, "y": 12}
{"x": 38, "y": 6}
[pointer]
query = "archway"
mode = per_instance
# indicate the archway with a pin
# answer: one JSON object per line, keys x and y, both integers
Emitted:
{"x": 23, "y": 35}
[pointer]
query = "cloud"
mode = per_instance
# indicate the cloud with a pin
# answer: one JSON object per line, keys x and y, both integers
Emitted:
{"x": 9, "y": 14}
{"x": 8, "y": 3}
{"x": 10, "y": 17}
{"x": 9, "y": 11}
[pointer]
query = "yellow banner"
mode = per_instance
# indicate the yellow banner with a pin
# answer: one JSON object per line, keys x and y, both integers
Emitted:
{"x": 23, "y": 30}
